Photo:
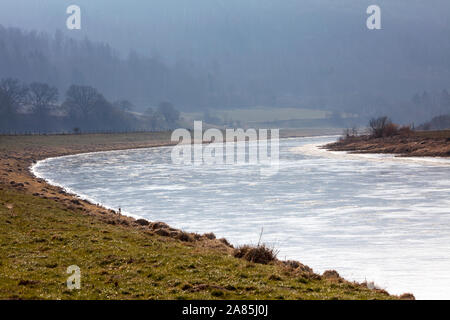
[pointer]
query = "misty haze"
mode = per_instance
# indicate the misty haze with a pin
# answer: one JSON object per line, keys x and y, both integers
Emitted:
{"x": 207, "y": 56}
{"x": 348, "y": 103}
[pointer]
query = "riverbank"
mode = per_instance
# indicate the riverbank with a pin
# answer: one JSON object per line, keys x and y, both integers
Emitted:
{"x": 415, "y": 144}
{"x": 44, "y": 230}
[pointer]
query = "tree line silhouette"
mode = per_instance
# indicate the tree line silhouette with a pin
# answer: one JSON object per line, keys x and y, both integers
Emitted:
{"x": 57, "y": 61}
{"x": 35, "y": 108}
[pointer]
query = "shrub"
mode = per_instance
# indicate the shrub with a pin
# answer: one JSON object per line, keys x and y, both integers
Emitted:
{"x": 349, "y": 133}
{"x": 217, "y": 293}
{"x": 405, "y": 131}
{"x": 407, "y": 296}
{"x": 162, "y": 232}
{"x": 383, "y": 127}
{"x": 210, "y": 236}
{"x": 295, "y": 265}
{"x": 391, "y": 129}
{"x": 257, "y": 254}
{"x": 225, "y": 242}
{"x": 331, "y": 274}
{"x": 377, "y": 126}
{"x": 142, "y": 222}
{"x": 346, "y": 133}
{"x": 185, "y": 237}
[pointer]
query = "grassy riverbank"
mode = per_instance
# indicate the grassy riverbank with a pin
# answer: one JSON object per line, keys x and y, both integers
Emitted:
{"x": 43, "y": 230}
{"x": 413, "y": 144}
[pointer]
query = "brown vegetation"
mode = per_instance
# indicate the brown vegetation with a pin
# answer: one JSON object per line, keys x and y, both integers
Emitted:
{"x": 387, "y": 137}
{"x": 257, "y": 254}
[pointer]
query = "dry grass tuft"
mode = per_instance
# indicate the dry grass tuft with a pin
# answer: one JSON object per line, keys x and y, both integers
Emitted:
{"x": 210, "y": 236}
{"x": 257, "y": 254}
{"x": 407, "y": 296}
{"x": 297, "y": 266}
{"x": 331, "y": 274}
{"x": 185, "y": 237}
{"x": 142, "y": 222}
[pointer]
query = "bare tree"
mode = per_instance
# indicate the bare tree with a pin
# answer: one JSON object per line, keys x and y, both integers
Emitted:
{"x": 169, "y": 112}
{"x": 13, "y": 92}
{"x": 5, "y": 104}
{"x": 378, "y": 125}
{"x": 82, "y": 100}
{"x": 350, "y": 132}
{"x": 42, "y": 97}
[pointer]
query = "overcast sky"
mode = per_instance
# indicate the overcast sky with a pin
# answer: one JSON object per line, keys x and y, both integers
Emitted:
{"x": 189, "y": 28}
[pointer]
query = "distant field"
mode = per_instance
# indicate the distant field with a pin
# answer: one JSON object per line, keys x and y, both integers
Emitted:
{"x": 102, "y": 141}
{"x": 90, "y": 142}
{"x": 442, "y": 134}
{"x": 262, "y": 114}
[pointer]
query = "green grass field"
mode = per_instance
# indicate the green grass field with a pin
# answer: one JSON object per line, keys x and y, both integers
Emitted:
{"x": 262, "y": 114}
{"x": 40, "y": 238}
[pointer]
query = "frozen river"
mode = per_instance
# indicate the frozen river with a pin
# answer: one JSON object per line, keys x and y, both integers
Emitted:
{"x": 370, "y": 217}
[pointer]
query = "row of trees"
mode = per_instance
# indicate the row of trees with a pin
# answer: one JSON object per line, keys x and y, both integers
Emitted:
{"x": 36, "y": 108}
{"x": 39, "y": 96}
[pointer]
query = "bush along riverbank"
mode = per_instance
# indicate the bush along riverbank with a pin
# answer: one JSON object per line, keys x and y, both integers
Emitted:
{"x": 386, "y": 137}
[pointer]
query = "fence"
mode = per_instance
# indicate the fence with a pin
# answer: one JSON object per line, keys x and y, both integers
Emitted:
{"x": 81, "y": 132}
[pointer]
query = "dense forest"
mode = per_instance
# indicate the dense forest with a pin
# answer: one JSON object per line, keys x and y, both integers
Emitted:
{"x": 62, "y": 61}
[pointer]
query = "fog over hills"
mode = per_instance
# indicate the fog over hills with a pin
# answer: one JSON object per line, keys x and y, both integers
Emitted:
{"x": 214, "y": 54}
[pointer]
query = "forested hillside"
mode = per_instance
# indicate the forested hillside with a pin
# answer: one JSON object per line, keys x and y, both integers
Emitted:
{"x": 61, "y": 61}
